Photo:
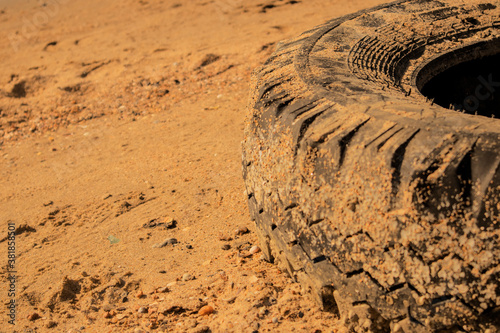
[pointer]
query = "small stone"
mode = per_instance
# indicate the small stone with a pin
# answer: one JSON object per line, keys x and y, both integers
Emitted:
{"x": 170, "y": 223}
{"x": 207, "y": 263}
{"x": 142, "y": 309}
{"x": 225, "y": 238}
{"x": 150, "y": 224}
{"x": 255, "y": 326}
{"x": 226, "y": 247}
{"x": 107, "y": 315}
{"x": 163, "y": 290}
{"x": 206, "y": 310}
{"x": 121, "y": 316}
{"x": 169, "y": 241}
{"x": 254, "y": 249}
{"x": 275, "y": 320}
{"x": 189, "y": 247}
{"x": 140, "y": 294}
{"x": 187, "y": 277}
{"x": 241, "y": 231}
{"x": 51, "y": 324}
{"x": 202, "y": 329}
{"x": 230, "y": 300}
{"x": 48, "y": 203}
{"x": 33, "y": 316}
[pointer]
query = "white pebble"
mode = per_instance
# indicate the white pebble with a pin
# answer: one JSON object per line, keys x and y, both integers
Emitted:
{"x": 255, "y": 249}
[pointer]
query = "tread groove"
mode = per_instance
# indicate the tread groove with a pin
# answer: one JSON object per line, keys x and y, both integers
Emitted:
{"x": 311, "y": 223}
{"x": 323, "y": 138}
{"x": 319, "y": 259}
{"x": 397, "y": 162}
{"x": 441, "y": 299}
{"x": 344, "y": 142}
{"x": 379, "y": 136}
{"x": 354, "y": 273}
{"x": 304, "y": 126}
{"x": 397, "y": 287}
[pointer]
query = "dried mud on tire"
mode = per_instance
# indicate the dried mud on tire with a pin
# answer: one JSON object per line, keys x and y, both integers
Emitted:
{"x": 383, "y": 203}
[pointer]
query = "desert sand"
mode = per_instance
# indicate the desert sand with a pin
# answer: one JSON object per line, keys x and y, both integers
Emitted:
{"x": 120, "y": 166}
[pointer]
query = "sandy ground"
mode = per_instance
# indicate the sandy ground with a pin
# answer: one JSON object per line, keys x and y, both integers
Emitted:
{"x": 120, "y": 130}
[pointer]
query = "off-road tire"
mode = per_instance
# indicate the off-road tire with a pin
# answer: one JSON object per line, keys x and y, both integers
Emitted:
{"x": 384, "y": 205}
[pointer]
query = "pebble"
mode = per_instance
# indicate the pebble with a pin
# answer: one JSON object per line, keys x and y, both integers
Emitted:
{"x": 169, "y": 241}
{"x": 206, "y": 310}
{"x": 230, "y": 299}
{"x": 225, "y": 238}
{"x": 142, "y": 309}
{"x": 162, "y": 290}
{"x": 140, "y": 294}
{"x": 34, "y": 316}
{"x": 254, "y": 249}
{"x": 241, "y": 231}
{"x": 202, "y": 329}
{"x": 170, "y": 223}
{"x": 226, "y": 247}
{"x": 187, "y": 277}
{"x": 121, "y": 316}
{"x": 51, "y": 324}
{"x": 275, "y": 320}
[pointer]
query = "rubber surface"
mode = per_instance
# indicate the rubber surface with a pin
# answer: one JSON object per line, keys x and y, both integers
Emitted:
{"x": 383, "y": 204}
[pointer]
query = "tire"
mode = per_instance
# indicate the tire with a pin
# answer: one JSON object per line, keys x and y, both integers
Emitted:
{"x": 382, "y": 203}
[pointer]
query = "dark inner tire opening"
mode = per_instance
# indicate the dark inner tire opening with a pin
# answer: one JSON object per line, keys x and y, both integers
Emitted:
{"x": 472, "y": 87}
